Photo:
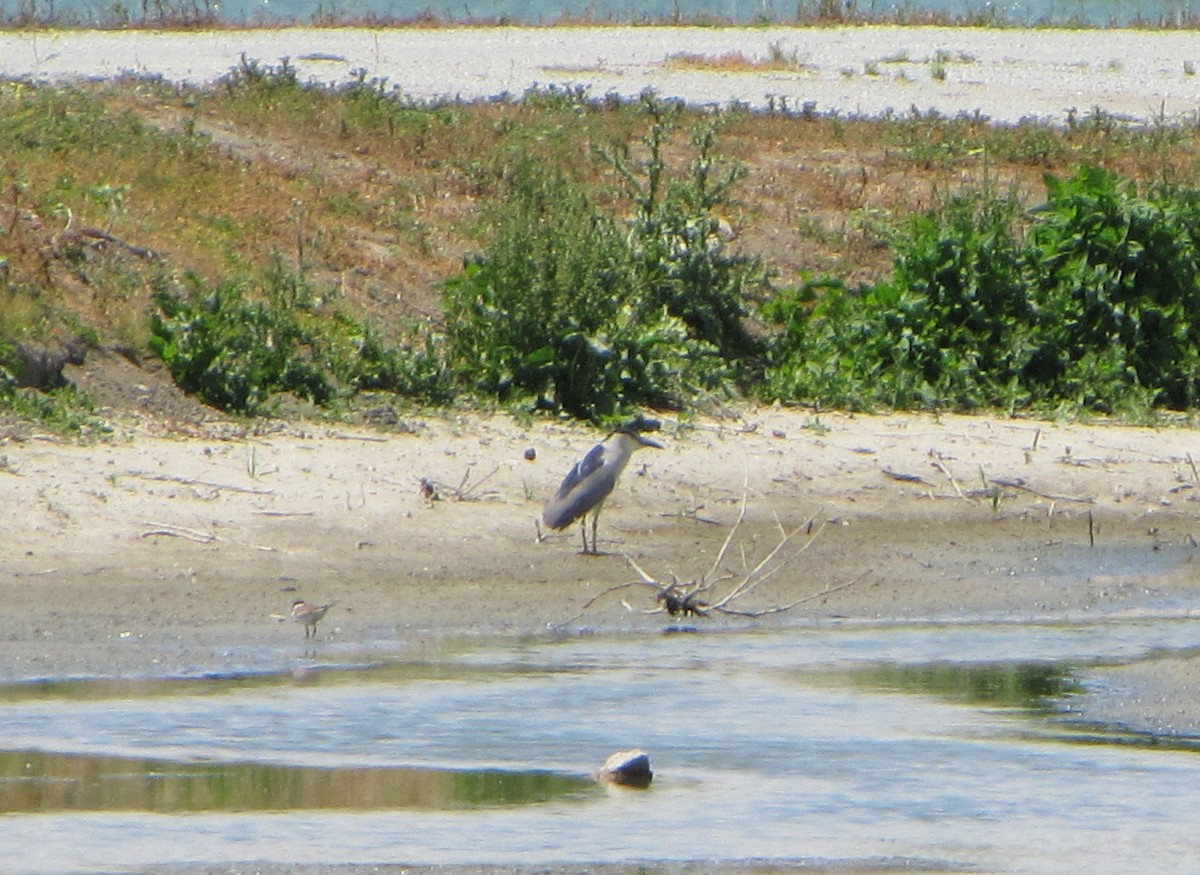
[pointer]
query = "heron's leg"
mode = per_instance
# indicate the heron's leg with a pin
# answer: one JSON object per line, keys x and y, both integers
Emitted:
{"x": 595, "y": 523}
{"x": 583, "y": 531}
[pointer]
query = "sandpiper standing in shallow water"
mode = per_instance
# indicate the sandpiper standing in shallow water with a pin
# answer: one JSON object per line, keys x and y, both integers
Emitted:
{"x": 309, "y": 615}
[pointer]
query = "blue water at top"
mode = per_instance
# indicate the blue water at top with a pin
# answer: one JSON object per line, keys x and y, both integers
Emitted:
{"x": 1017, "y": 13}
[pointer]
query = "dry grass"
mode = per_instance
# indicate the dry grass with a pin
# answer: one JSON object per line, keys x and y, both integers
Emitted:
{"x": 728, "y": 62}
{"x": 379, "y": 203}
{"x": 737, "y": 62}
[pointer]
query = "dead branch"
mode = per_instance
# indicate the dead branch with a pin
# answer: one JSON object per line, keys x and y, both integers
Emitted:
{"x": 100, "y": 238}
{"x": 692, "y": 513}
{"x": 615, "y": 588}
{"x": 811, "y": 597}
{"x": 1019, "y": 484}
{"x": 173, "y": 531}
{"x": 433, "y": 490}
{"x": 719, "y": 590}
{"x": 937, "y": 463}
{"x": 191, "y": 481}
{"x": 905, "y": 478}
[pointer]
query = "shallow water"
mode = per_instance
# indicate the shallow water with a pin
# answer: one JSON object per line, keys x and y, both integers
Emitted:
{"x": 936, "y": 746}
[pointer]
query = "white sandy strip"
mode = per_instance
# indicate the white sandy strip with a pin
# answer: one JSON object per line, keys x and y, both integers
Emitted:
{"x": 1006, "y": 75}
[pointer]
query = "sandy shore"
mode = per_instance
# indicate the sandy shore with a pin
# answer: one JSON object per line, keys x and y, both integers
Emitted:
{"x": 150, "y": 555}
{"x": 1006, "y": 75}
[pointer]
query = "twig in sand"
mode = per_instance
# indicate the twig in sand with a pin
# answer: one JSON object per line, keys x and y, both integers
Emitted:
{"x": 937, "y": 463}
{"x": 432, "y": 490}
{"x": 692, "y": 513}
{"x": 173, "y": 531}
{"x": 905, "y": 478}
{"x": 369, "y": 438}
{"x": 191, "y": 481}
{"x": 1019, "y": 484}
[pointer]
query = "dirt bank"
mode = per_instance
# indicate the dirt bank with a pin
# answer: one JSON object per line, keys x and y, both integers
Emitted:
{"x": 164, "y": 554}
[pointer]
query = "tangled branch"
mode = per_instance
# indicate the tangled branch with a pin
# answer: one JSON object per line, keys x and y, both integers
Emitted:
{"x": 719, "y": 591}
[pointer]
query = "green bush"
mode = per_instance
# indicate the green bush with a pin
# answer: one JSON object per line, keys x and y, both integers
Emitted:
{"x": 1096, "y": 305}
{"x": 676, "y": 238}
{"x": 1116, "y": 275}
{"x": 553, "y": 310}
{"x": 946, "y": 329}
{"x": 235, "y": 352}
{"x": 588, "y": 316}
{"x": 238, "y": 344}
{"x": 64, "y": 409}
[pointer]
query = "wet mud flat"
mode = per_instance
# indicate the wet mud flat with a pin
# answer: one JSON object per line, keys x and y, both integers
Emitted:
{"x": 177, "y": 557}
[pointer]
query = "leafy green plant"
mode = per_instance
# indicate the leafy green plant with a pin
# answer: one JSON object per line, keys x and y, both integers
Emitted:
{"x": 677, "y": 236}
{"x": 1094, "y": 306}
{"x": 552, "y": 310}
{"x": 235, "y": 352}
{"x": 943, "y": 330}
{"x": 1117, "y": 276}
{"x": 414, "y": 367}
{"x": 567, "y": 307}
{"x": 64, "y": 409}
{"x": 238, "y": 344}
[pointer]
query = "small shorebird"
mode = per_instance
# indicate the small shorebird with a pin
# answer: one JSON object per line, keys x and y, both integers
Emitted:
{"x": 309, "y": 615}
{"x": 591, "y": 480}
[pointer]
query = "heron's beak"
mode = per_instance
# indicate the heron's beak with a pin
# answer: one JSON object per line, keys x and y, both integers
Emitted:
{"x": 646, "y": 442}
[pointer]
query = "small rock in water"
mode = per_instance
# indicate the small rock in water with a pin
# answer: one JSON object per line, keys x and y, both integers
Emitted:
{"x": 629, "y": 768}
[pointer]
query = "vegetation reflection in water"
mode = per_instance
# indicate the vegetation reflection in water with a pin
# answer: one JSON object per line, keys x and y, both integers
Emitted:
{"x": 232, "y": 683}
{"x": 1034, "y": 687}
{"x": 1038, "y": 689}
{"x": 42, "y": 782}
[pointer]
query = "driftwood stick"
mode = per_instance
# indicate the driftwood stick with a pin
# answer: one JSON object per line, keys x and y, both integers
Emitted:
{"x": 614, "y": 588}
{"x": 937, "y": 463}
{"x": 175, "y": 531}
{"x": 811, "y": 597}
{"x": 1017, "y": 484}
{"x": 104, "y": 237}
{"x": 191, "y": 481}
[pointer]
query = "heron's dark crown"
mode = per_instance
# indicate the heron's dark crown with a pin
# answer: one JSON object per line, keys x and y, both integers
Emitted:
{"x": 637, "y": 436}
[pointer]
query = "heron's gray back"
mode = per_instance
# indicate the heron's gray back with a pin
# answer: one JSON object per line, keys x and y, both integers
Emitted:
{"x": 586, "y": 485}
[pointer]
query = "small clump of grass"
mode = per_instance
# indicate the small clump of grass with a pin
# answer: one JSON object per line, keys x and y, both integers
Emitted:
{"x": 738, "y": 62}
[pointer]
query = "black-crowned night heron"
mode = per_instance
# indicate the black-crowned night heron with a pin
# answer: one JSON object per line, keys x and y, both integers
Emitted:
{"x": 590, "y": 481}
